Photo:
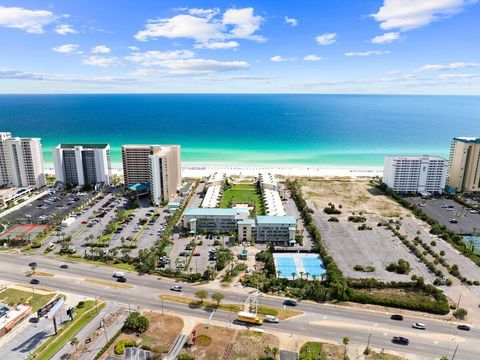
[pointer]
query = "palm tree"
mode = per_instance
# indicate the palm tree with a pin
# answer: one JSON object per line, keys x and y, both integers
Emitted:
{"x": 314, "y": 277}
{"x": 74, "y": 341}
{"x": 307, "y": 274}
{"x": 301, "y": 274}
{"x": 345, "y": 341}
{"x": 275, "y": 352}
{"x": 293, "y": 275}
{"x": 278, "y": 273}
{"x": 33, "y": 267}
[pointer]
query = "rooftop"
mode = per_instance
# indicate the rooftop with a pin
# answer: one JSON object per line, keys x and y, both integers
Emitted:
{"x": 468, "y": 139}
{"x": 86, "y": 146}
{"x": 290, "y": 220}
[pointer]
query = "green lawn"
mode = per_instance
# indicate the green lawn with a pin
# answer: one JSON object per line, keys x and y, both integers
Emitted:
{"x": 311, "y": 351}
{"x": 243, "y": 194}
{"x": 81, "y": 318}
{"x": 15, "y": 296}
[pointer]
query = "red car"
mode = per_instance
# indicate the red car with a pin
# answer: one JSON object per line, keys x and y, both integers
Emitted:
{"x": 196, "y": 254}
{"x": 85, "y": 222}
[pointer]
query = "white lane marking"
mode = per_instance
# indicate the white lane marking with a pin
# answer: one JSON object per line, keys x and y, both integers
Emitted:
{"x": 375, "y": 324}
{"x": 436, "y": 342}
{"x": 325, "y": 317}
{"x": 385, "y": 334}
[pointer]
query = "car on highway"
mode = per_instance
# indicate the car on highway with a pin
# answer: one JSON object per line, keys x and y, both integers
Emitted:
{"x": 32, "y": 264}
{"x": 121, "y": 279}
{"x": 463, "y": 327}
{"x": 396, "y": 317}
{"x": 34, "y": 281}
{"x": 400, "y": 340}
{"x": 119, "y": 274}
{"x": 63, "y": 266}
{"x": 271, "y": 319}
{"x": 453, "y": 221}
{"x": 420, "y": 326}
{"x": 289, "y": 302}
{"x": 176, "y": 288}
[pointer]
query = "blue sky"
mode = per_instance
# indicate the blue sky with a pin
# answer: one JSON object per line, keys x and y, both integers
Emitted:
{"x": 302, "y": 46}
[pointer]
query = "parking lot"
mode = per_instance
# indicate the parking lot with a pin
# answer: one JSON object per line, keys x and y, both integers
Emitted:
{"x": 47, "y": 208}
{"x": 445, "y": 211}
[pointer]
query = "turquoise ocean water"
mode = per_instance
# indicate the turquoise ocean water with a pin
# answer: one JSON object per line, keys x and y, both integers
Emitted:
{"x": 305, "y": 130}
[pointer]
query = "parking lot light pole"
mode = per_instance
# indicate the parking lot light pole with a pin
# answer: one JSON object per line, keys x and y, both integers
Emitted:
{"x": 161, "y": 299}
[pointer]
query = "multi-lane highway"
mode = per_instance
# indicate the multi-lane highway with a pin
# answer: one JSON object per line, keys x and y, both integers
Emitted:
{"x": 324, "y": 321}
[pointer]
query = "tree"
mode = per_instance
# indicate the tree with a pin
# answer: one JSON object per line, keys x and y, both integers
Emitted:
{"x": 460, "y": 313}
{"x": 201, "y": 295}
{"x": 217, "y": 297}
{"x": 136, "y": 322}
{"x": 33, "y": 267}
{"x": 345, "y": 341}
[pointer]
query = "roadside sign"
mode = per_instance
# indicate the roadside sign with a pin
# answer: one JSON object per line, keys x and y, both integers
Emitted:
{"x": 44, "y": 310}
{"x": 53, "y": 311}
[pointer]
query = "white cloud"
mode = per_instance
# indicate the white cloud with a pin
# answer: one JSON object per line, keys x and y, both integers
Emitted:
{"x": 451, "y": 66}
{"x": 204, "y": 26}
{"x": 366, "y": 53}
{"x": 101, "y": 61}
{"x": 101, "y": 49}
{"x": 244, "y": 23}
{"x": 386, "y": 38}
{"x": 186, "y": 67}
{"x": 291, "y": 21}
{"x": 67, "y": 49}
{"x": 133, "y": 48}
{"x": 279, "y": 58}
{"x": 406, "y": 15}
{"x": 214, "y": 45}
{"x": 312, "y": 58}
{"x": 152, "y": 58}
{"x": 326, "y": 39}
{"x": 65, "y": 29}
{"x": 457, "y": 76}
{"x": 30, "y": 21}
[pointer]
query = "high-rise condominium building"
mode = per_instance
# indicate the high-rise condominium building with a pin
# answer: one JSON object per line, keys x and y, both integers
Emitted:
{"x": 464, "y": 167}
{"x": 157, "y": 165}
{"x": 21, "y": 161}
{"x": 415, "y": 174}
{"x": 82, "y": 164}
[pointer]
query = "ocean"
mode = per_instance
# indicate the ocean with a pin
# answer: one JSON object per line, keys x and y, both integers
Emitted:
{"x": 271, "y": 130}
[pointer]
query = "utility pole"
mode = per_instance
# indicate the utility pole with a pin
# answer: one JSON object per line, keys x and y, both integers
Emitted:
{"x": 455, "y": 352}
{"x": 368, "y": 342}
{"x": 459, "y": 298}
{"x": 161, "y": 299}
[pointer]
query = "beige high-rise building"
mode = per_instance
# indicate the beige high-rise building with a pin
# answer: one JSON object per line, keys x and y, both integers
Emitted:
{"x": 21, "y": 161}
{"x": 464, "y": 166}
{"x": 157, "y": 165}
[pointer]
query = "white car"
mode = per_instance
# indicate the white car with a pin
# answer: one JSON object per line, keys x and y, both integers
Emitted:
{"x": 119, "y": 274}
{"x": 271, "y": 319}
{"x": 419, "y": 326}
{"x": 473, "y": 211}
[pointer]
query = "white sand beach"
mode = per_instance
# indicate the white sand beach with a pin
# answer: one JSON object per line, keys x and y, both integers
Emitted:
{"x": 202, "y": 171}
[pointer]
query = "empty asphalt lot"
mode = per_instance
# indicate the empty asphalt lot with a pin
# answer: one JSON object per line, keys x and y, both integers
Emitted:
{"x": 467, "y": 222}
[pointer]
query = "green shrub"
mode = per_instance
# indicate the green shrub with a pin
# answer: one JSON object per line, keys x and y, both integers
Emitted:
{"x": 122, "y": 344}
{"x": 136, "y": 322}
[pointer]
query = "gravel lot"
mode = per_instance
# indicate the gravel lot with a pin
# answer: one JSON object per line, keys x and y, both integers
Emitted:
{"x": 376, "y": 247}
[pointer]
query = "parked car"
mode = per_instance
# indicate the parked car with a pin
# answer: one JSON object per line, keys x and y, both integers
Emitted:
{"x": 463, "y": 327}
{"x": 396, "y": 317}
{"x": 34, "y": 281}
{"x": 473, "y": 211}
{"x": 420, "y": 326}
{"x": 400, "y": 340}
{"x": 271, "y": 319}
{"x": 176, "y": 288}
{"x": 290, "y": 302}
{"x": 188, "y": 247}
{"x": 453, "y": 221}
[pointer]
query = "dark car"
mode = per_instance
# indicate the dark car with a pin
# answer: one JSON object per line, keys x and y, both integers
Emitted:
{"x": 290, "y": 302}
{"x": 63, "y": 266}
{"x": 396, "y": 317}
{"x": 32, "y": 264}
{"x": 463, "y": 327}
{"x": 34, "y": 282}
{"x": 400, "y": 340}
{"x": 122, "y": 279}
{"x": 34, "y": 320}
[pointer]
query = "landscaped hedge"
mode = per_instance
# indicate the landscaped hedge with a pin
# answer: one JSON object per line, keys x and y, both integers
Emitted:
{"x": 122, "y": 344}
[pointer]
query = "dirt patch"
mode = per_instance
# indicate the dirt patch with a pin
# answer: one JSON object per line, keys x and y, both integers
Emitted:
{"x": 112, "y": 284}
{"x": 251, "y": 345}
{"x": 354, "y": 196}
{"x": 158, "y": 338}
{"x": 220, "y": 339}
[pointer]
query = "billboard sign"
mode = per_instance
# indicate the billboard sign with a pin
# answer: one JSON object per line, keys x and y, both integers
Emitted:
{"x": 44, "y": 310}
{"x": 53, "y": 311}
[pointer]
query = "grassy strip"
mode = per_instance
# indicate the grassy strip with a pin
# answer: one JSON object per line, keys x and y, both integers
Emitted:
{"x": 281, "y": 313}
{"x": 121, "y": 266}
{"x": 109, "y": 283}
{"x": 14, "y": 296}
{"x": 55, "y": 343}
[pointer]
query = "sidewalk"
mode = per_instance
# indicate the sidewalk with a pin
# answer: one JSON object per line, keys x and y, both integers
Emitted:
{"x": 86, "y": 332}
